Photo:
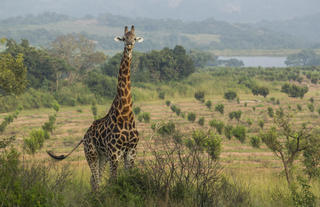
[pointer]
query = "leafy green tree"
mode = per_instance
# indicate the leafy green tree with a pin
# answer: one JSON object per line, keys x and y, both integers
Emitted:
{"x": 303, "y": 58}
{"x": 101, "y": 85}
{"x": 230, "y": 95}
{"x": 294, "y": 90}
{"x": 77, "y": 51}
{"x": 219, "y": 108}
{"x": 42, "y": 67}
{"x": 239, "y": 132}
{"x": 286, "y": 141}
{"x": 12, "y": 74}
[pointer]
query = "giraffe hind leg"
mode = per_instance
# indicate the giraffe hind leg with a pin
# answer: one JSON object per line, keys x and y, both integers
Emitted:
{"x": 93, "y": 162}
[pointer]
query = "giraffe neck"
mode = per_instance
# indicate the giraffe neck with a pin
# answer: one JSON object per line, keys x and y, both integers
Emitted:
{"x": 124, "y": 83}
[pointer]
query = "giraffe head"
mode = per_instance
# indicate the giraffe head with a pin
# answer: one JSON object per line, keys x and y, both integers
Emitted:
{"x": 129, "y": 38}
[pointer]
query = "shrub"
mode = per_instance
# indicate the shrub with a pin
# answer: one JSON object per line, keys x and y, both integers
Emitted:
{"x": 270, "y": 112}
{"x": 161, "y": 94}
{"x": 230, "y": 95}
{"x": 166, "y": 128}
{"x": 191, "y": 116}
{"x": 236, "y": 115}
{"x": 9, "y": 119}
{"x": 94, "y": 110}
{"x": 239, "y": 132}
{"x": 219, "y": 108}
{"x": 311, "y": 100}
{"x": 228, "y": 131}
{"x": 253, "y": 108}
{"x": 35, "y": 140}
{"x": 218, "y": 125}
{"x": 299, "y": 107}
{"x": 245, "y": 104}
{"x": 319, "y": 111}
{"x": 140, "y": 117}
{"x": 255, "y": 141}
{"x": 261, "y": 123}
{"x": 311, "y": 107}
{"x": 294, "y": 90}
{"x": 263, "y": 91}
{"x": 31, "y": 185}
{"x": 199, "y": 95}
{"x": 146, "y": 117}
{"x": 168, "y": 102}
{"x": 201, "y": 121}
{"x": 209, "y": 104}
{"x": 136, "y": 110}
{"x": 249, "y": 121}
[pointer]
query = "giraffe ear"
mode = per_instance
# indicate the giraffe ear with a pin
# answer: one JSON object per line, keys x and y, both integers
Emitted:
{"x": 139, "y": 39}
{"x": 118, "y": 39}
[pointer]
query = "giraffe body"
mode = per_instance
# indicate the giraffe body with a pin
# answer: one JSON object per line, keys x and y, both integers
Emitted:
{"x": 115, "y": 135}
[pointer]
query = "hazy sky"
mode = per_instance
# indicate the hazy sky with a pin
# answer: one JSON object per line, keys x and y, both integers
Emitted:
{"x": 230, "y": 10}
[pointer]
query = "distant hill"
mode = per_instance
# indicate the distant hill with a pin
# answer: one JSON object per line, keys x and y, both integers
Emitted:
{"x": 307, "y": 27}
{"x": 209, "y": 34}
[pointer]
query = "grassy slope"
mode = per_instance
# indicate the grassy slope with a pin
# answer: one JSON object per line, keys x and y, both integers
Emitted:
{"x": 255, "y": 167}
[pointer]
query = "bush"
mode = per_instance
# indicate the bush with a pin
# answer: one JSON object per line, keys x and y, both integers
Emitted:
{"x": 219, "y": 108}
{"x": 166, "y": 128}
{"x": 146, "y": 117}
{"x": 230, "y": 95}
{"x": 218, "y": 125}
{"x": 209, "y": 104}
{"x": 263, "y": 91}
{"x": 28, "y": 185}
{"x": 9, "y": 119}
{"x": 136, "y": 110}
{"x": 35, "y": 140}
{"x": 161, "y": 94}
{"x": 255, "y": 141}
{"x": 175, "y": 109}
{"x": 311, "y": 107}
{"x": 201, "y": 121}
{"x": 94, "y": 110}
{"x": 294, "y": 90}
{"x": 228, "y": 131}
{"x": 191, "y": 116}
{"x": 236, "y": 115}
{"x": 261, "y": 123}
{"x": 199, "y": 95}
{"x": 168, "y": 103}
{"x": 299, "y": 107}
{"x": 270, "y": 112}
{"x": 239, "y": 132}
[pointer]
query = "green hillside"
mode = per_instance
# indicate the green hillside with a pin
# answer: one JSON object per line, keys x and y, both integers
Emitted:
{"x": 205, "y": 35}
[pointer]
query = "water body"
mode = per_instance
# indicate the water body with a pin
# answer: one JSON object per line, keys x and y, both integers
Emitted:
{"x": 256, "y": 61}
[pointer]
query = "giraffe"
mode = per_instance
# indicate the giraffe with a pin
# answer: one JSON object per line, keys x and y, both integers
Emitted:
{"x": 115, "y": 135}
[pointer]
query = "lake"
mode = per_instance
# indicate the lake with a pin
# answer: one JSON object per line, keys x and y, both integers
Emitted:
{"x": 256, "y": 61}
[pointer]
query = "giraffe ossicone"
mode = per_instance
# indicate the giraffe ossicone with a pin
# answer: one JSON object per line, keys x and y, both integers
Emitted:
{"x": 115, "y": 135}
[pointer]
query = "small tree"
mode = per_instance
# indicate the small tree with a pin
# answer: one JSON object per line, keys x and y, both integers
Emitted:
{"x": 286, "y": 141}
{"x": 311, "y": 107}
{"x": 236, "y": 115}
{"x": 218, "y": 125}
{"x": 201, "y": 121}
{"x": 255, "y": 141}
{"x": 219, "y": 108}
{"x": 209, "y": 104}
{"x": 270, "y": 112}
{"x": 94, "y": 110}
{"x": 228, "y": 131}
{"x": 136, "y": 110}
{"x": 199, "y": 95}
{"x": 261, "y": 123}
{"x": 230, "y": 95}
{"x": 191, "y": 116}
{"x": 239, "y": 132}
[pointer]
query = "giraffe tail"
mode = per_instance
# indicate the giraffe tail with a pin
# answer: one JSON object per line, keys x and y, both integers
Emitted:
{"x": 61, "y": 157}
